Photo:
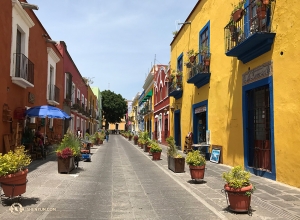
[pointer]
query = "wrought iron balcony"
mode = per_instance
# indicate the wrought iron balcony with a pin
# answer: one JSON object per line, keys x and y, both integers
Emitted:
{"x": 251, "y": 36}
{"x": 199, "y": 74}
{"x": 23, "y": 71}
{"x": 53, "y": 95}
{"x": 175, "y": 90}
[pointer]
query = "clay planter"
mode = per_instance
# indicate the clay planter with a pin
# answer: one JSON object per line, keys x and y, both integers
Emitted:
{"x": 156, "y": 155}
{"x": 192, "y": 59}
{"x": 146, "y": 148}
{"x": 142, "y": 146}
{"x": 237, "y": 15}
{"x": 197, "y": 172}
{"x": 266, "y": 2}
{"x": 100, "y": 141}
{"x": 176, "y": 164}
{"x": 238, "y": 201}
{"x": 129, "y": 138}
{"x": 206, "y": 62}
{"x": 65, "y": 165}
{"x": 261, "y": 12}
{"x": 14, "y": 184}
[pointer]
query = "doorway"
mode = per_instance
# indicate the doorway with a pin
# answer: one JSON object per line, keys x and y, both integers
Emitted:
{"x": 177, "y": 130}
{"x": 259, "y": 128}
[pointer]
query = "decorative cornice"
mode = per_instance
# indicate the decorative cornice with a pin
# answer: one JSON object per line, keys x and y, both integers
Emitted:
{"x": 52, "y": 54}
{"x": 23, "y": 14}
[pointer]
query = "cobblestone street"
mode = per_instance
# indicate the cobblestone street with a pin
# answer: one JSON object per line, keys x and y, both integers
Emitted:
{"x": 122, "y": 182}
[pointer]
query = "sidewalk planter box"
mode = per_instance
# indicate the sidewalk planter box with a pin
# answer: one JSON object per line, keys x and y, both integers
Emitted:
{"x": 65, "y": 165}
{"x": 146, "y": 148}
{"x": 14, "y": 184}
{"x": 176, "y": 164}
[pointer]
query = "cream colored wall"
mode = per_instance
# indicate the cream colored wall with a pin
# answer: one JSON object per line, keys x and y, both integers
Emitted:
{"x": 224, "y": 92}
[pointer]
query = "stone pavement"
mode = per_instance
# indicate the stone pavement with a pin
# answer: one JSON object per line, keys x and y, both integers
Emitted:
{"x": 122, "y": 182}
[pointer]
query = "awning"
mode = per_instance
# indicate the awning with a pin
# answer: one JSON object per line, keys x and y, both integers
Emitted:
{"x": 146, "y": 97}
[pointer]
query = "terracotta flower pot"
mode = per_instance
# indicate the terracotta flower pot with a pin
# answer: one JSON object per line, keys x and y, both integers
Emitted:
{"x": 206, "y": 62}
{"x": 197, "y": 172}
{"x": 261, "y": 12}
{"x": 14, "y": 184}
{"x": 237, "y": 15}
{"x": 266, "y": 2}
{"x": 238, "y": 200}
{"x": 156, "y": 155}
{"x": 192, "y": 59}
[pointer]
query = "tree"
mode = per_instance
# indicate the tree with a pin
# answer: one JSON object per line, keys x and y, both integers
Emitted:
{"x": 114, "y": 107}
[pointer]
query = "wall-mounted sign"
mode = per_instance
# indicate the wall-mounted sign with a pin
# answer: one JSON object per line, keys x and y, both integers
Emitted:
{"x": 31, "y": 98}
{"x": 263, "y": 71}
{"x": 200, "y": 109}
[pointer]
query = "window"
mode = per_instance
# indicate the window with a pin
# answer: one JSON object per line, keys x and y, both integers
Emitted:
{"x": 204, "y": 41}
{"x": 73, "y": 93}
{"x": 82, "y": 99}
{"x": 78, "y": 96}
{"x": 180, "y": 62}
{"x": 68, "y": 86}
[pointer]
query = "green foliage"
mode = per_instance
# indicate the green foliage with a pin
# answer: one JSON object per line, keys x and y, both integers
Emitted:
{"x": 237, "y": 177}
{"x": 70, "y": 140}
{"x": 90, "y": 137}
{"x": 194, "y": 158}
{"x": 172, "y": 150}
{"x": 14, "y": 161}
{"x": 191, "y": 53}
{"x": 114, "y": 107}
{"x": 155, "y": 147}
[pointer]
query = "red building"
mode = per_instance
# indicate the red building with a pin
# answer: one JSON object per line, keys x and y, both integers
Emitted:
{"x": 161, "y": 103}
{"x": 31, "y": 67}
{"x": 76, "y": 92}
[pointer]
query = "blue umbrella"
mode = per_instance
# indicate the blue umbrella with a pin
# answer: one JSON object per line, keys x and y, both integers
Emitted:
{"x": 47, "y": 111}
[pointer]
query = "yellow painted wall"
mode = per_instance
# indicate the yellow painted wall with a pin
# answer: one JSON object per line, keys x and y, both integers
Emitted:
{"x": 224, "y": 91}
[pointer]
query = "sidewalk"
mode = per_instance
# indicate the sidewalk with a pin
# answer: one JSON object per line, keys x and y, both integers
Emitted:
{"x": 277, "y": 199}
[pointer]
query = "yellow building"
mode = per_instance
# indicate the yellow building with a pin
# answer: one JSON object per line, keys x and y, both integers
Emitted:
{"x": 134, "y": 113}
{"x": 148, "y": 107}
{"x": 92, "y": 109}
{"x": 242, "y": 92}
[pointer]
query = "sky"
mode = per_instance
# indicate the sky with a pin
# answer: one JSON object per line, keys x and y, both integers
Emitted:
{"x": 115, "y": 42}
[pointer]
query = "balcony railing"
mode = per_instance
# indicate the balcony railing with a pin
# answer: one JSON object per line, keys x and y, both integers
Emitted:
{"x": 199, "y": 73}
{"x": 24, "y": 71}
{"x": 53, "y": 94}
{"x": 250, "y": 36}
{"x": 175, "y": 90}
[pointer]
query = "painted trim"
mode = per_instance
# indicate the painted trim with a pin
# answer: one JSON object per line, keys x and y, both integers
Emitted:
{"x": 180, "y": 57}
{"x": 52, "y": 54}
{"x": 195, "y": 128}
{"x": 176, "y": 126}
{"x": 207, "y": 26}
{"x": 246, "y": 88}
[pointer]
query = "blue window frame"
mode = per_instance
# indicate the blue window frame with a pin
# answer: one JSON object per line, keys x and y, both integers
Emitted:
{"x": 180, "y": 62}
{"x": 204, "y": 37}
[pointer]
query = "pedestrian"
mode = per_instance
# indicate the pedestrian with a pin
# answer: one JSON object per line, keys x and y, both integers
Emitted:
{"x": 107, "y": 135}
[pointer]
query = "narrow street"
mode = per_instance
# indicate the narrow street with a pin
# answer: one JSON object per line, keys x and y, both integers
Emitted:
{"x": 122, "y": 182}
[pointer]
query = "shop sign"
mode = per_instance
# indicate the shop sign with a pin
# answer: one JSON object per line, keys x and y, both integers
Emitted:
{"x": 263, "y": 71}
{"x": 200, "y": 109}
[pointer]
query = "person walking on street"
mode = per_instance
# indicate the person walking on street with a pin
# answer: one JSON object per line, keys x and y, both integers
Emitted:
{"x": 107, "y": 135}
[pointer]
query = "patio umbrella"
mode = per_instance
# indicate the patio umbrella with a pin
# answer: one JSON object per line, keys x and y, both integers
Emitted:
{"x": 47, "y": 111}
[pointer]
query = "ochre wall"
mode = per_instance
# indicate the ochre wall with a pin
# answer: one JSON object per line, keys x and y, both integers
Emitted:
{"x": 224, "y": 91}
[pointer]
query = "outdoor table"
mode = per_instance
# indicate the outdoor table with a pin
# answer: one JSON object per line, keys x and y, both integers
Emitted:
{"x": 203, "y": 149}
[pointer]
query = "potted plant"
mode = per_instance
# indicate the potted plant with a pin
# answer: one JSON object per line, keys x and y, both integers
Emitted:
{"x": 238, "y": 189}
{"x": 178, "y": 73}
{"x": 155, "y": 150}
{"x": 97, "y": 138}
{"x": 191, "y": 54}
{"x": 261, "y": 9}
{"x": 175, "y": 161}
{"x": 135, "y": 139}
{"x": 13, "y": 171}
{"x": 238, "y": 11}
{"x": 130, "y": 136}
{"x": 196, "y": 164}
{"x": 67, "y": 152}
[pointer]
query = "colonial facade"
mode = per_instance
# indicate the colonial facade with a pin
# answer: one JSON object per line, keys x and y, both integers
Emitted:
{"x": 161, "y": 103}
{"x": 234, "y": 98}
{"x": 31, "y": 73}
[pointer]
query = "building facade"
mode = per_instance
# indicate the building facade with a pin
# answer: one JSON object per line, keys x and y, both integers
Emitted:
{"x": 234, "y": 98}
